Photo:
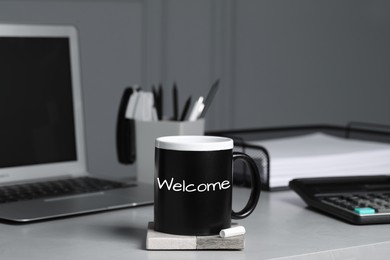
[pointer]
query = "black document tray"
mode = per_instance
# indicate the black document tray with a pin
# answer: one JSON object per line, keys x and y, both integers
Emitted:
{"x": 354, "y": 130}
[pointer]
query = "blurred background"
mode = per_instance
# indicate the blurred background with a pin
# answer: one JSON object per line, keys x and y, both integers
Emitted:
{"x": 280, "y": 63}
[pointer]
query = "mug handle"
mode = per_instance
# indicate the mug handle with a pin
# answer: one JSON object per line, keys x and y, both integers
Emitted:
{"x": 255, "y": 180}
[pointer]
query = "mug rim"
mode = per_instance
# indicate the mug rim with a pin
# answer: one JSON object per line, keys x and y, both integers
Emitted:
{"x": 194, "y": 143}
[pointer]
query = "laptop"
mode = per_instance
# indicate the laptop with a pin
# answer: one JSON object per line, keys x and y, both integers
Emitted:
{"x": 42, "y": 133}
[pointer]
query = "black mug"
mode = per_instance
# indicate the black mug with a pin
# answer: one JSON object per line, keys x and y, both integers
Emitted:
{"x": 193, "y": 185}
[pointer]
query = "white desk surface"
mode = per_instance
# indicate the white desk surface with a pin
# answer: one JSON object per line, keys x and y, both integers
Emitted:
{"x": 280, "y": 227}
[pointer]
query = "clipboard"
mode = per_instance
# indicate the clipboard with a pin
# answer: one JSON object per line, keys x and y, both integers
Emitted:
{"x": 125, "y": 131}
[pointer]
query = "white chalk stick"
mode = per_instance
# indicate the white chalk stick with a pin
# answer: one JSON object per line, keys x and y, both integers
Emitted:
{"x": 231, "y": 232}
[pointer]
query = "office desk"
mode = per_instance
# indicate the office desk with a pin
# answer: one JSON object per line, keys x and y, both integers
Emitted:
{"x": 281, "y": 226}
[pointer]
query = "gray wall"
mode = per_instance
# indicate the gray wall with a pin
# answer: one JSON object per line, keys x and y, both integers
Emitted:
{"x": 312, "y": 62}
{"x": 280, "y": 62}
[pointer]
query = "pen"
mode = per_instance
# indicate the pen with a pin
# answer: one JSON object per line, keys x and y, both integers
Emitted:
{"x": 156, "y": 101}
{"x": 175, "y": 103}
{"x": 185, "y": 110}
{"x": 196, "y": 109}
{"x": 160, "y": 102}
{"x": 209, "y": 98}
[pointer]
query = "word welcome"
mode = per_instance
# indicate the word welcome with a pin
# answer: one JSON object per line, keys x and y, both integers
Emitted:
{"x": 183, "y": 187}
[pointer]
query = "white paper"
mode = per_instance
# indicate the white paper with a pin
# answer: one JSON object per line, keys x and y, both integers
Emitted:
{"x": 320, "y": 155}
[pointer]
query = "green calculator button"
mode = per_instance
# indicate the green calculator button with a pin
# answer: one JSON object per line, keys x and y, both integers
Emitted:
{"x": 364, "y": 211}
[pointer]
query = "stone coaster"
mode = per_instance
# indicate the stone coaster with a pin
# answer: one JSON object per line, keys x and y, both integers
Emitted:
{"x": 163, "y": 241}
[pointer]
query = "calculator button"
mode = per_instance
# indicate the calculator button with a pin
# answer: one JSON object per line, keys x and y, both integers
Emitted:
{"x": 364, "y": 211}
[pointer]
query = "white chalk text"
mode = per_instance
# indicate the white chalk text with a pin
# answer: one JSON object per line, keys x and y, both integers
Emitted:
{"x": 191, "y": 187}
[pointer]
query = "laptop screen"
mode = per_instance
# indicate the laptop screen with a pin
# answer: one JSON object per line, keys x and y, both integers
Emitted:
{"x": 36, "y": 107}
{"x": 42, "y": 132}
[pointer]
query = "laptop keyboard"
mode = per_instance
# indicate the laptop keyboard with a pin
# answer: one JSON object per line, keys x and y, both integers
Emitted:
{"x": 38, "y": 190}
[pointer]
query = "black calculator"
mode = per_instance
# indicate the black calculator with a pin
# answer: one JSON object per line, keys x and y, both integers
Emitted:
{"x": 357, "y": 200}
